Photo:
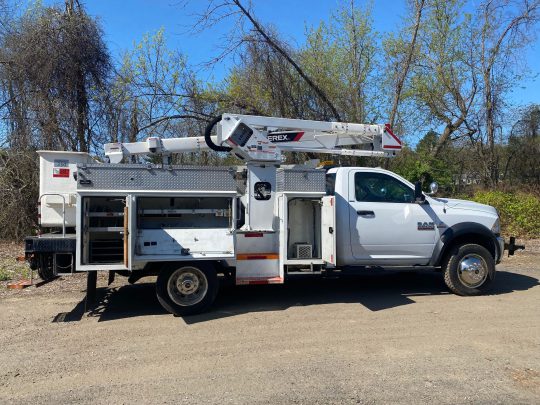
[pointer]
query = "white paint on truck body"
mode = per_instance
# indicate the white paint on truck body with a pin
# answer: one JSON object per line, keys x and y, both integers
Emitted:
{"x": 376, "y": 230}
{"x": 56, "y": 171}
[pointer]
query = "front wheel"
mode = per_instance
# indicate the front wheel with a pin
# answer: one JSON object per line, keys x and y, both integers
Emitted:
{"x": 469, "y": 270}
{"x": 187, "y": 289}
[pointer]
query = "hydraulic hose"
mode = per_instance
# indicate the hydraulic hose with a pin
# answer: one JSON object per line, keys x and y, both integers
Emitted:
{"x": 208, "y": 137}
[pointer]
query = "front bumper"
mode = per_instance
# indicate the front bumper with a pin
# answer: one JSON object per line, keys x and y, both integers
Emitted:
{"x": 500, "y": 249}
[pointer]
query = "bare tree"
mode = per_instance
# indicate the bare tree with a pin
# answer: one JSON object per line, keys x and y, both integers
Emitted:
{"x": 18, "y": 193}
{"x": 523, "y": 149}
{"x": 443, "y": 77}
{"x": 56, "y": 69}
{"x": 506, "y": 28}
{"x": 402, "y": 61}
{"x": 222, "y": 9}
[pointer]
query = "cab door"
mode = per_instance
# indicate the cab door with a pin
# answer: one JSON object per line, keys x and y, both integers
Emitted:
{"x": 387, "y": 227}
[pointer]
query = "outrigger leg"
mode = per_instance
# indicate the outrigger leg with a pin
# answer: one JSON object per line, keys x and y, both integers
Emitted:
{"x": 91, "y": 284}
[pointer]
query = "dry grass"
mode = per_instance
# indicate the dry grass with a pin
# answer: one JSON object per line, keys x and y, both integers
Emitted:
{"x": 10, "y": 268}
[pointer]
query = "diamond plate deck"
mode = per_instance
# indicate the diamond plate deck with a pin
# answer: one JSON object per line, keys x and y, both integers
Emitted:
{"x": 301, "y": 180}
{"x": 143, "y": 177}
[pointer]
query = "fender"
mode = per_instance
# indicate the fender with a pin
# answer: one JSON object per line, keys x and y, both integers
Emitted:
{"x": 457, "y": 230}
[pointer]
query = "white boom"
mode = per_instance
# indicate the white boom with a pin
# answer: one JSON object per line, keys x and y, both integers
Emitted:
{"x": 259, "y": 138}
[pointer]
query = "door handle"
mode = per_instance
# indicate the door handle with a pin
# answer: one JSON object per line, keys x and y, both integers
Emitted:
{"x": 365, "y": 213}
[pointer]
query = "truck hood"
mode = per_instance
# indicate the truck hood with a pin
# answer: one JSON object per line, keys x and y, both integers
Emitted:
{"x": 467, "y": 205}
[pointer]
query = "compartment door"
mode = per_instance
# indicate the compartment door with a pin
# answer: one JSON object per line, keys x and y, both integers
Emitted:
{"x": 328, "y": 230}
{"x": 130, "y": 231}
{"x": 82, "y": 251}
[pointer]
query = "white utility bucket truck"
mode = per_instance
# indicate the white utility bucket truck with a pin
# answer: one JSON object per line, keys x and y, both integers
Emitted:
{"x": 258, "y": 223}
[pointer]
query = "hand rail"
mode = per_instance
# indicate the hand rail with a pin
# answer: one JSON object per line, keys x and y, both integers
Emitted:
{"x": 63, "y": 209}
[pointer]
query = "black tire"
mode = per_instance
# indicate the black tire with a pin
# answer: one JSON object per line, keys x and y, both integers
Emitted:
{"x": 198, "y": 280}
{"x": 469, "y": 270}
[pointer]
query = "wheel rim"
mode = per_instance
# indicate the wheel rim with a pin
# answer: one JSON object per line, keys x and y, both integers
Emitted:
{"x": 187, "y": 286}
{"x": 472, "y": 270}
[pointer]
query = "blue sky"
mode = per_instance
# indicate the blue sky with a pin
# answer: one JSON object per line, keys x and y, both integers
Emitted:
{"x": 126, "y": 21}
{"x": 124, "y": 25}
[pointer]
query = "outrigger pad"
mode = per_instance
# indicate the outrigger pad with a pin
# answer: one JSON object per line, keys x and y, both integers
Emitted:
{"x": 512, "y": 247}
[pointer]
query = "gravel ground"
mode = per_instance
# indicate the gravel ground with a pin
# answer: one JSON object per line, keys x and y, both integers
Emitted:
{"x": 369, "y": 339}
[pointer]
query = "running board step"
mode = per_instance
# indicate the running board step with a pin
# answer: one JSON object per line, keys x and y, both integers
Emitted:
{"x": 303, "y": 273}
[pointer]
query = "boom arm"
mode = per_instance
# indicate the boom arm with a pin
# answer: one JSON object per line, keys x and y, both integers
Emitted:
{"x": 259, "y": 138}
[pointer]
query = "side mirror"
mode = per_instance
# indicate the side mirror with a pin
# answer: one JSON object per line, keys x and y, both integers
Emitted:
{"x": 433, "y": 187}
{"x": 418, "y": 195}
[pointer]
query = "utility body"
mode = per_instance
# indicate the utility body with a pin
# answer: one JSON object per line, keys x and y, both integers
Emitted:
{"x": 258, "y": 223}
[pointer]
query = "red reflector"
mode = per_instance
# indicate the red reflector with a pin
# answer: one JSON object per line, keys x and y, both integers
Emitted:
{"x": 271, "y": 280}
{"x": 258, "y": 282}
{"x": 254, "y": 235}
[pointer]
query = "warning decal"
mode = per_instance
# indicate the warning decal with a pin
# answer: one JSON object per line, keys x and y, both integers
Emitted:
{"x": 61, "y": 168}
{"x": 60, "y": 172}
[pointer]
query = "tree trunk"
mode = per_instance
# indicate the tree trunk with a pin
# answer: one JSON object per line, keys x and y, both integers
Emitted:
{"x": 490, "y": 129}
{"x": 405, "y": 70}
{"x": 449, "y": 129}
{"x": 82, "y": 114}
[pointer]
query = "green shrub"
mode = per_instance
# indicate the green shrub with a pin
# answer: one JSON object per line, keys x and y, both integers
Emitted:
{"x": 519, "y": 212}
{"x": 4, "y": 274}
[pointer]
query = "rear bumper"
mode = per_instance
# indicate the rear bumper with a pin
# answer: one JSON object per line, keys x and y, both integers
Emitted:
{"x": 50, "y": 243}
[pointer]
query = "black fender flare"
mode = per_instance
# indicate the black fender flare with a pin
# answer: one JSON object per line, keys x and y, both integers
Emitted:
{"x": 455, "y": 231}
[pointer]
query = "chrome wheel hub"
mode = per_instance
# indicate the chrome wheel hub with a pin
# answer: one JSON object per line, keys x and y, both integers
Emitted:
{"x": 472, "y": 270}
{"x": 187, "y": 286}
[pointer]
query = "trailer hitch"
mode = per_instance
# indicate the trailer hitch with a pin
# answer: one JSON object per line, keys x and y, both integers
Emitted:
{"x": 512, "y": 247}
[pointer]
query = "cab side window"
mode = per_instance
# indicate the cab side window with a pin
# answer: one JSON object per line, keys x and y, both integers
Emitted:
{"x": 330, "y": 183}
{"x": 379, "y": 187}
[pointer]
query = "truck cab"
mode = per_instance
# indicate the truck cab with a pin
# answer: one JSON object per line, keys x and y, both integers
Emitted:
{"x": 382, "y": 221}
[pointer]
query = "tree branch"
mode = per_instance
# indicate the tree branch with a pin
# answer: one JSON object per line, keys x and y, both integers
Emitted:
{"x": 170, "y": 117}
{"x": 288, "y": 58}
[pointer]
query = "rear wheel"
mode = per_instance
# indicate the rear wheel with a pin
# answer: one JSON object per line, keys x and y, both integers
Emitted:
{"x": 469, "y": 270}
{"x": 187, "y": 289}
{"x": 45, "y": 267}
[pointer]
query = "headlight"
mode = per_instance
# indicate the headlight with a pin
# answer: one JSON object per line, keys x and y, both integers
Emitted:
{"x": 496, "y": 228}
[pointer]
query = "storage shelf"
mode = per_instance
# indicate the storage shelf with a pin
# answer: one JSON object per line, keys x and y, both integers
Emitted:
{"x": 105, "y": 214}
{"x": 106, "y": 229}
{"x": 186, "y": 211}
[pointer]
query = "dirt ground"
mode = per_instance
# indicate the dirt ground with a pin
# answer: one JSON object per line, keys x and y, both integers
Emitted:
{"x": 392, "y": 337}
